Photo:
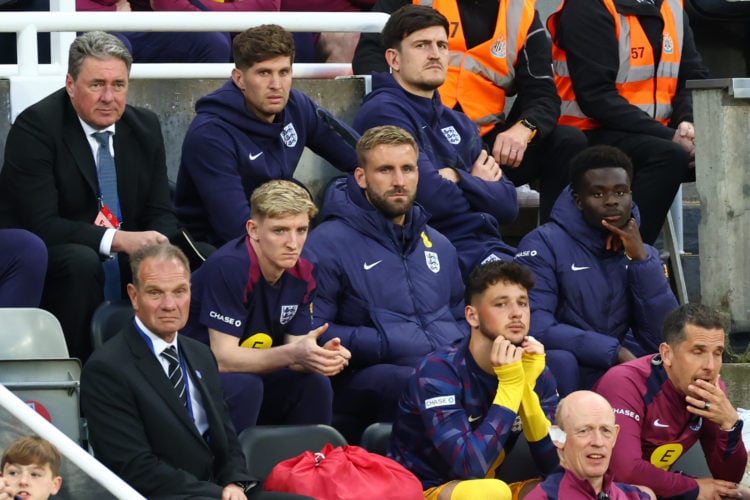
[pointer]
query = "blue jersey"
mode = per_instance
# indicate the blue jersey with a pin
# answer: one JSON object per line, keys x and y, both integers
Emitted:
{"x": 448, "y": 427}
{"x": 230, "y": 295}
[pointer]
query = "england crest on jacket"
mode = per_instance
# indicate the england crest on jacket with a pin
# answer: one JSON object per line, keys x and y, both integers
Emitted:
{"x": 287, "y": 313}
{"x": 433, "y": 263}
{"x": 289, "y": 135}
{"x": 451, "y": 134}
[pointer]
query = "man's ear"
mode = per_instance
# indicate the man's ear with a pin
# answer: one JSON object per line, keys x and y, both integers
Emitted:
{"x": 666, "y": 354}
{"x": 577, "y": 201}
{"x": 252, "y": 229}
{"x": 132, "y": 293}
{"x": 359, "y": 176}
{"x": 392, "y": 58}
{"x": 69, "y": 85}
{"x": 237, "y": 78}
{"x": 472, "y": 318}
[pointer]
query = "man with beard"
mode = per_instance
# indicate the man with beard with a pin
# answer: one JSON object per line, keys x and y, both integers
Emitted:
{"x": 388, "y": 284}
{"x": 476, "y": 54}
{"x": 467, "y": 404}
{"x": 602, "y": 293}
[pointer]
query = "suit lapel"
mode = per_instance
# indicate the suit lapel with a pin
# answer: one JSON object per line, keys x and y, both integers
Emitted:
{"x": 125, "y": 159}
{"x": 80, "y": 150}
{"x": 152, "y": 371}
{"x": 215, "y": 424}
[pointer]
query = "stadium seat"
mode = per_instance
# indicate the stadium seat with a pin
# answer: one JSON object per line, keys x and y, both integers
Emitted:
{"x": 377, "y": 438}
{"x": 35, "y": 366}
{"x": 30, "y": 333}
{"x": 519, "y": 465}
{"x": 264, "y": 446}
{"x": 108, "y": 319}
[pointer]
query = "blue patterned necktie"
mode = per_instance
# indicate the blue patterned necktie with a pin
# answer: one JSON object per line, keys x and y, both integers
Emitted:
{"x": 107, "y": 176}
{"x": 175, "y": 372}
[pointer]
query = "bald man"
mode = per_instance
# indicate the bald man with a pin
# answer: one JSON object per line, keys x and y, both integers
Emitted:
{"x": 585, "y": 435}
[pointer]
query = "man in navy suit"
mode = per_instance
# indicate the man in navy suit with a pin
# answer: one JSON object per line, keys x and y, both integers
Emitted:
{"x": 50, "y": 184}
{"x": 163, "y": 445}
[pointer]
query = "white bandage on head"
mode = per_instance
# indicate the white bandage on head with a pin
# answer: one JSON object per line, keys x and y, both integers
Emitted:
{"x": 557, "y": 434}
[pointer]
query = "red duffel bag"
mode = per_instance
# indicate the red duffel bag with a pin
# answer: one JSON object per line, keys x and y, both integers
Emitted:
{"x": 346, "y": 473}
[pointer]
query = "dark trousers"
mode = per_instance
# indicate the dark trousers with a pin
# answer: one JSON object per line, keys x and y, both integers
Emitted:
{"x": 547, "y": 159}
{"x": 370, "y": 394}
{"x": 23, "y": 264}
{"x": 660, "y": 166}
{"x": 277, "y": 398}
{"x": 73, "y": 289}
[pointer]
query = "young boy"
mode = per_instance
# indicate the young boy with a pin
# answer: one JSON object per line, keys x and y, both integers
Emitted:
{"x": 30, "y": 469}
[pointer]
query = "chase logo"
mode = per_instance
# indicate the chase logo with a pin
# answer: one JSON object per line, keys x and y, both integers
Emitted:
{"x": 439, "y": 401}
{"x": 287, "y": 313}
{"x": 451, "y": 134}
{"x": 289, "y": 135}
{"x": 500, "y": 47}
{"x": 258, "y": 340}
{"x": 668, "y": 43}
{"x": 225, "y": 319}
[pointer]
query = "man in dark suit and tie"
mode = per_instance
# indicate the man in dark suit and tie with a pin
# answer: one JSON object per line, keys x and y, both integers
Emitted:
{"x": 87, "y": 173}
{"x": 156, "y": 418}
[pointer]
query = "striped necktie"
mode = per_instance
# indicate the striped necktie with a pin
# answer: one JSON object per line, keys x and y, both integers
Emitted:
{"x": 175, "y": 372}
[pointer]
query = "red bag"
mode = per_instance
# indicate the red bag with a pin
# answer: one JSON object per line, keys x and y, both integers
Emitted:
{"x": 346, "y": 473}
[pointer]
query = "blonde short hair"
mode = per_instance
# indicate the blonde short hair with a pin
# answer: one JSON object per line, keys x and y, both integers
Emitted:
{"x": 279, "y": 198}
{"x": 383, "y": 135}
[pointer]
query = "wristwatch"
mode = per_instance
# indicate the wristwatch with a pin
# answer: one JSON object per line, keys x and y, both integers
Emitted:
{"x": 526, "y": 123}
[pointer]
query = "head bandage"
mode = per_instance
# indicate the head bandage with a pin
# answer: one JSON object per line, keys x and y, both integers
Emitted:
{"x": 557, "y": 434}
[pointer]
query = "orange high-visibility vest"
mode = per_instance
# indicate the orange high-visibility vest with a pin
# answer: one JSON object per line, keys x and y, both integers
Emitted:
{"x": 636, "y": 81}
{"x": 480, "y": 78}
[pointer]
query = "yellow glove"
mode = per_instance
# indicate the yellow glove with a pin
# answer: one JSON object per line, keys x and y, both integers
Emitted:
{"x": 510, "y": 385}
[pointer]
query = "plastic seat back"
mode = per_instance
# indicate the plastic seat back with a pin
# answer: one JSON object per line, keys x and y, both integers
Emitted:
{"x": 108, "y": 319}
{"x": 377, "y": 438}
{"x": 266, "y": 445}
{"x": 30, "y": 333}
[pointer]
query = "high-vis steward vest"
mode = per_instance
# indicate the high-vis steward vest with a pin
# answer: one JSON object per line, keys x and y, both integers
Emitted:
{"x": 480, "y": 78}
{"x": 636, "y": 81}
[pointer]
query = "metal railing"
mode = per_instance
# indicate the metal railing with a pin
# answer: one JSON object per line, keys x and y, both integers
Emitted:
{"x": 30, "y": 81}
{"x": 69, "y": 449}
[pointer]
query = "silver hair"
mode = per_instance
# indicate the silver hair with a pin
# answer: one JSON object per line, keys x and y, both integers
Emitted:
{"x": 99, "y": 45}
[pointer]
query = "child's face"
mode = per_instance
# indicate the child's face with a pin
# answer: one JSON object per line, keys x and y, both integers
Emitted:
{"x": 31, "y": 482}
